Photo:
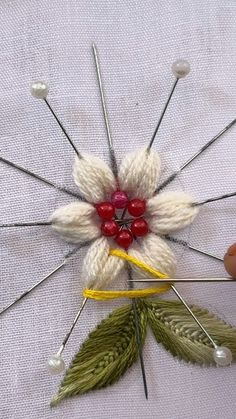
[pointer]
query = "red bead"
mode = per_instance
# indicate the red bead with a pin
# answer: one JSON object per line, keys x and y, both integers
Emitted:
{"x": 105, "y": 210}
{"x": 119, "y": 199}
{"x": 136, "y": 207}
{"x": 139, "y": 227}
{"x": 124, "y": 238}
{"x": 109, "y": 228}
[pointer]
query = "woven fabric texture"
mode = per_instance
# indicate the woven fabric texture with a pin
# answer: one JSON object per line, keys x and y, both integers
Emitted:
{"x": 137, "y": 42}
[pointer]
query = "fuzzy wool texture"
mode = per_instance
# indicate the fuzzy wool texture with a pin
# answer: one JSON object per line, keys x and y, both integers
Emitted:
{"x": 76, "y": 222}
{"x": 137, "y": 43}
{"x": 138, "y": 177}
{"x": 99, "y": 268}
{"x": 94, "y": 178}
{"x": 153, "y": 251}
{"x": 139, "y": 173}
{"x": 170, "y": 211}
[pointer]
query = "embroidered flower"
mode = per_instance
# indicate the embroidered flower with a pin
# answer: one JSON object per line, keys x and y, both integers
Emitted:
{"x": 123, "y": 213}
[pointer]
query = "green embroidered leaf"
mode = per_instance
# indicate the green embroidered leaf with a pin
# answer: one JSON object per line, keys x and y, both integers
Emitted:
{"x": 106, "y": 354}
{"x": 173, "y": 326}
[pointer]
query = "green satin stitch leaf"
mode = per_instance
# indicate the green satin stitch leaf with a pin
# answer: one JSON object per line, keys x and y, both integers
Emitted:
{"x": 173, "y": 326}
{"x": 106, "y": 354}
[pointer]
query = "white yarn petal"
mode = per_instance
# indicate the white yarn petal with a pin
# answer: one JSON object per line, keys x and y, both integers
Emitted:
{"x": 170, "y": 211}
{"x": 153, "y": 251}
{"x": 76, "y": 222}
{"x": 99, "y": 269}
{"x": 94, "y": 178}
{"x": 139, "y": 173}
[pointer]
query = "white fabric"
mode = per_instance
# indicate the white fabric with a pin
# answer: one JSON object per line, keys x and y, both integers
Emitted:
{"x": 137, "y": 41}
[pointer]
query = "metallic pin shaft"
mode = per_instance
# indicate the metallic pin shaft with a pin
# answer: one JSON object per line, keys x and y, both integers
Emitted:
{"x": 205, "y": 147}
{"x": 62, "y": 347}
{"x": 188, "y": 280}
{"x": 105, "y": 113}
{"x": 34, "y": 287}
{"x": 38, "y": 177}
{"x": 32, "y": 224}
{"x": 137, "y": 334}
{"x": 193, "y": 315}
{"x": 218, "y": 198}
{"x": 67, "y": 256}
{"x": 195, "y": 249}
{"x": 62, "y": 128}
{"x": 162, "y": 114}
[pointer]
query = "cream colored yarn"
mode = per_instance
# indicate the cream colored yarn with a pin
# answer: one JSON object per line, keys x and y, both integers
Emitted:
{"x": 138, "y": 176}
{"x": 76, "y": 222}
{"x": 99, "y": 269}
{"x": 139, "y": 172}
{"x": 94, "y": 178}
{"x": 170, "y": 211}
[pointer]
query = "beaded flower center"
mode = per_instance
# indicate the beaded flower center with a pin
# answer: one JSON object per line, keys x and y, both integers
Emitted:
{"x": 125, "y": 227}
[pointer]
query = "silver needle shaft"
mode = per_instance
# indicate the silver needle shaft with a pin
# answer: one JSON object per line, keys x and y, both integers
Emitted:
{"x": 105, "y": 113}
{"x": 198, "y": 153}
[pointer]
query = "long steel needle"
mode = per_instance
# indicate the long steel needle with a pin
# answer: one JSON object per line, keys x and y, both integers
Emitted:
{"x": 27, "y": 224}
{"x": 162, "y": 114}
{"x": 105, "y": 113}
{"x": 38, "y": 177}
{"x": 137, "y": 334}
{"x": 197, "y": 154}
{"x": 193, "y": 316}
{"x": 34, "y": 287}
{"x": 63, "y": 129}
{"x": 186, "y": 280}
{"x": 195, "y": 249}
{"x": 62, "y": 347}
{"x": 62, "y": 264}
{"x": 115, "y": 171}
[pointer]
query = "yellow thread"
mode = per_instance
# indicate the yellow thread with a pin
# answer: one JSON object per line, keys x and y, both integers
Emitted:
{"x": 154, "y": 272}
{"x": 141, "y": 293}
{"x": 110, "y": 295}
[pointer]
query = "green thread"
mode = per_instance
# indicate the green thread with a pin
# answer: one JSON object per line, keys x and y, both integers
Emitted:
{"x": 172, "y": 326}
{"x": 111, "y": 348}
{"x": 106, "y": 354}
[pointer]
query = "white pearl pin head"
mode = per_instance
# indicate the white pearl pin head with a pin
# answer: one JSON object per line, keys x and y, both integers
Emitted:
{"x": 55, "y": 364}
{"x": 222, "y": 356}
{"x": 39, "y": 90}
{"x": 180, "y": 68}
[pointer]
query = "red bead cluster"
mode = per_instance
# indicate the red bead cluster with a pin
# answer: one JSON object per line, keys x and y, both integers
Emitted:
{"x": 138, "y": 226}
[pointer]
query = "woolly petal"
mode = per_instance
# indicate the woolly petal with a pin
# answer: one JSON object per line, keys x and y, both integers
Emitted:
{"x": 153, "y": 251}
{"x": 170, "y": 211}
{"x": 76, "y": 222}
{"x": 99, "y": 267}
{"x": 94, "y": 178}
{"x": 139, "y": 173}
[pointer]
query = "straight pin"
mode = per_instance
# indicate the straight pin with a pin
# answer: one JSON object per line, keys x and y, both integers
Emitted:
{"x": 191, "y": 159}
{"x": 34, "y": 286}
{"x": 30, "y": 224}
{"x": 105, "y": 112}
{"x": 55, "y": 363}
{"x": 218, "y": 198}
{"x": 59, "y": 267}
{"x": 40, "y": 91}
{"x": 188, "y": 280}
{"x": 195, "y": 249}
{"x": 137, "y": 334}
{"x": 193, "y": 316}
{"x": 180, "y": 68}
{"x": 40, "y": 178}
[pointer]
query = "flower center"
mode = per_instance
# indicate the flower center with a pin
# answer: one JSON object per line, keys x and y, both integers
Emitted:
{"x": 122, "y": 227}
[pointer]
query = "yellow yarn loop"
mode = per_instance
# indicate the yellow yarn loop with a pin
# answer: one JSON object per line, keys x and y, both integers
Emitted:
{"x": 139, "y": 293}
{"x": 154, "y": 272}
{"x": 111, "y": 295}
